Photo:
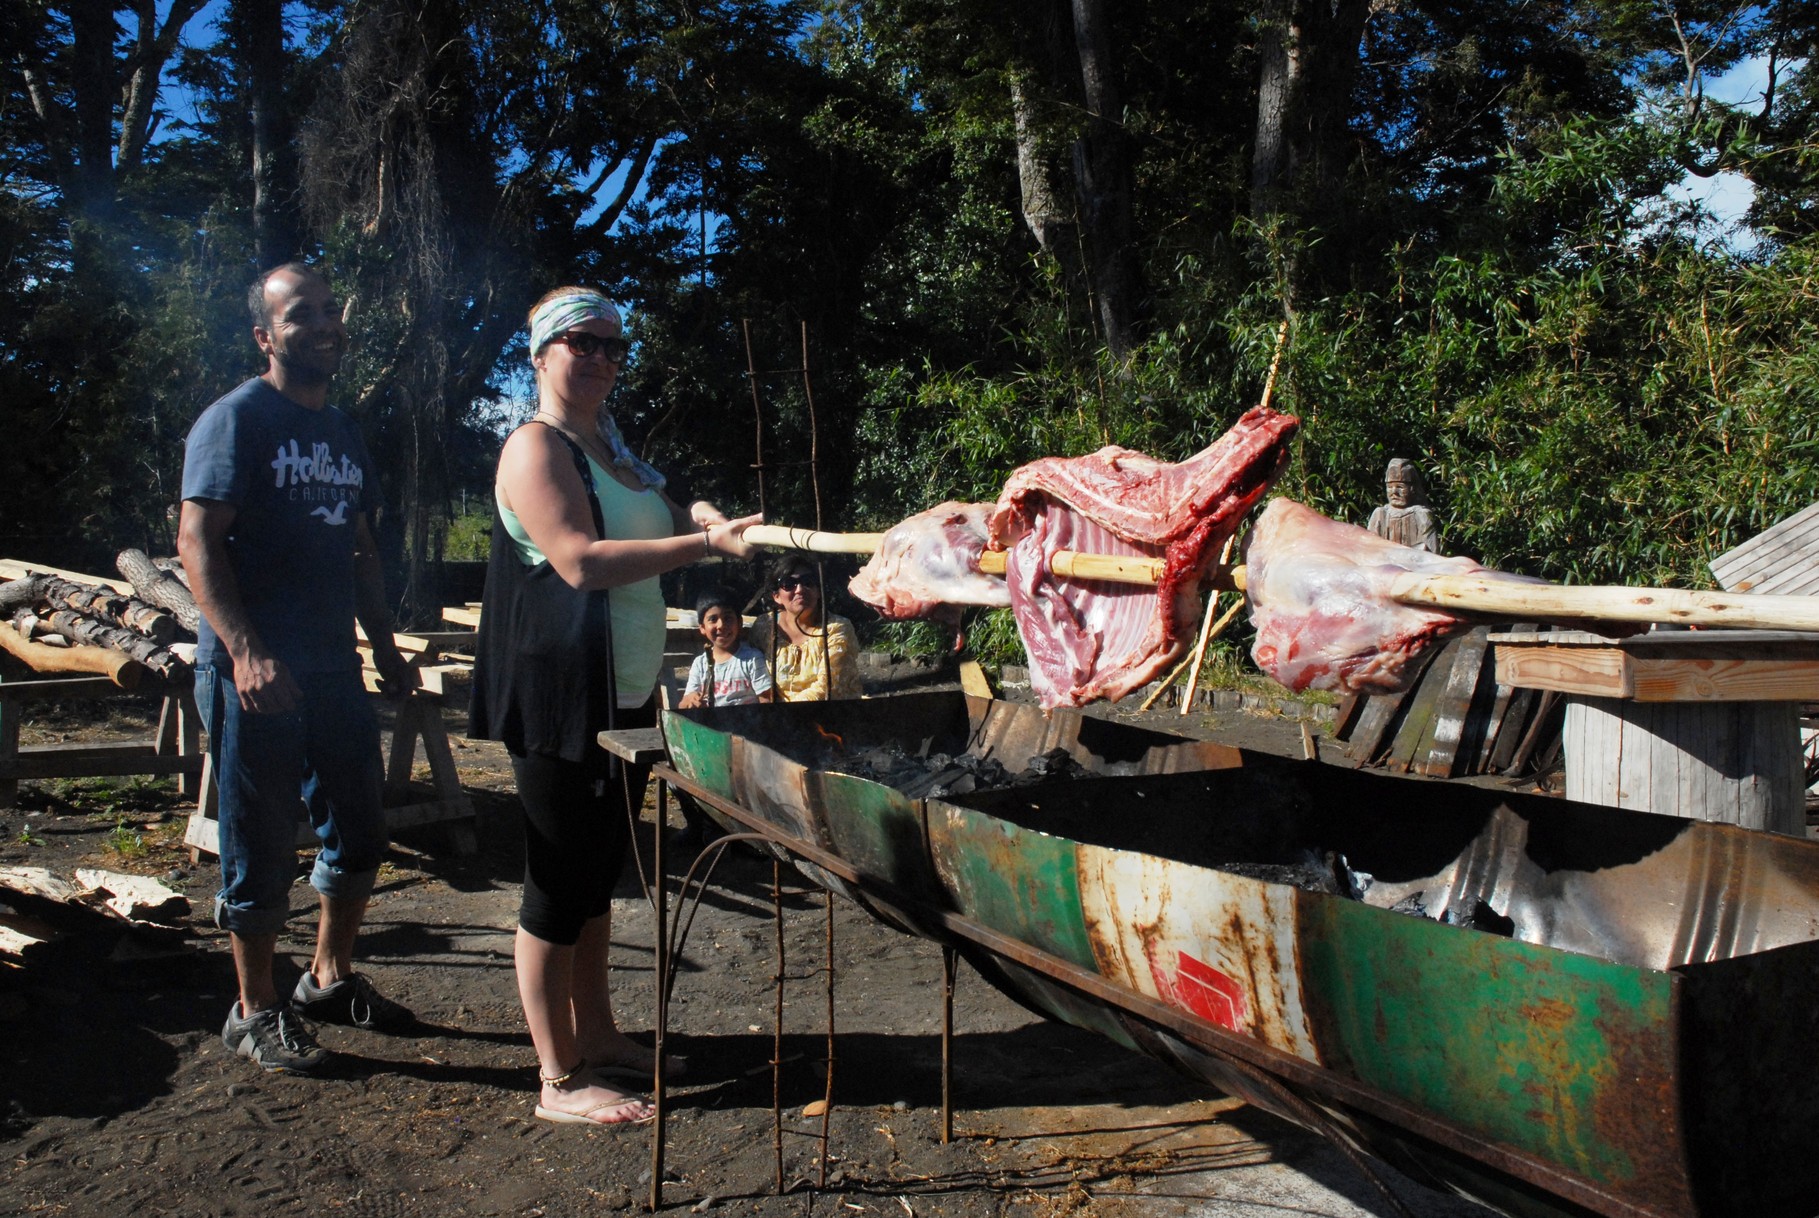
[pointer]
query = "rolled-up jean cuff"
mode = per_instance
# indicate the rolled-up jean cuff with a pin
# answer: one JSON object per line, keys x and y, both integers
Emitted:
{"x": 339, "y": 885}
{"x": 250, "y": 922}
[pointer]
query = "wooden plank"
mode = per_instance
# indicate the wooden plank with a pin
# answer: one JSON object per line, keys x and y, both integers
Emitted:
{"x": 1345, "y": 718}
{"x": 636, "y": 746}
{"x": 1455, "y": 703}
{"x": 1723, "y": 681}
{"x": 436, "y": 680}
{"x": 462, "y": 615}
{"x": 1416, "y": 735}
{"x": 1590, "y": 671}
{"x": 1374, "y": 722}
{"x": 972, "y": 680}
{"x": 1495, "y": 712}
{"x": 1774, "y": 549}
{"x": 1509, "y": 729}
{"x": 94, "y": 760}
{"x": 57, "y": 687}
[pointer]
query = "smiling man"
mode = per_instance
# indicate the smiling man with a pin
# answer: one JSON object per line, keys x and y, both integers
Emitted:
{"x": 278, "y": 492}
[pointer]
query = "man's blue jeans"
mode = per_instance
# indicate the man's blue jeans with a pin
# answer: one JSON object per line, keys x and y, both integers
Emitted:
{"x": 324, "y": 751}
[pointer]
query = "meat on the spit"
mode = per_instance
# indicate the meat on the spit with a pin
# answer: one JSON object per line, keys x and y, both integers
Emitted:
{"x": 1090, "y": 639}
{"x": 1321, "y": 603}
{"x": 928, "y": 566}
{"x": 1086, "y": 638}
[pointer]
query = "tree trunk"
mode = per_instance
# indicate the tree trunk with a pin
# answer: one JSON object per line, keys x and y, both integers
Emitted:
{"x": 1048, "y": 208}
{"x": 1104, "y": 180}
{"x": 1308, "y": 63}
{"x": 92, "y": 79}
{"x": 258, "y": 28}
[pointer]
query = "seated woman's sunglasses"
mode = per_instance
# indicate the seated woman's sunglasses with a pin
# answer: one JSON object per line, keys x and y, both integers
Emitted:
{"x": 583, "y": 345}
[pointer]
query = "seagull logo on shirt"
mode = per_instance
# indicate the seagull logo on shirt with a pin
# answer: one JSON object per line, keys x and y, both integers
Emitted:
{"x": 338, "y": 516}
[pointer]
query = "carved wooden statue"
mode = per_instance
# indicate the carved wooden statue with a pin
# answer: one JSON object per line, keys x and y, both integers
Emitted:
{"x": 1405, "y": 519}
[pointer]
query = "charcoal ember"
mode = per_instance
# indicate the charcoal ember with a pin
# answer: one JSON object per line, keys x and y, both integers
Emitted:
{"x": 1308, "y": 877}
{"x": 1413, "y": 905}
{"x": 936, "y": 775}
{"x": 1480, "y": 916}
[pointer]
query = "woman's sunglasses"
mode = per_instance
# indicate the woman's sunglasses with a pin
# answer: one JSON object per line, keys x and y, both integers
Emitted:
{"x": 583, "y": 345}
{"x": 794, "y": 581}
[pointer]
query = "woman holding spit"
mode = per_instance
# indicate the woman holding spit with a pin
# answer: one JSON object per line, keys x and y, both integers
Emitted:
{"x": 570, "y": 643}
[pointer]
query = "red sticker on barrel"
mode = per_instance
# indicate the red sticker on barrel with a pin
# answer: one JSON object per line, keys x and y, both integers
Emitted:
{"x": 1199, "y": 987}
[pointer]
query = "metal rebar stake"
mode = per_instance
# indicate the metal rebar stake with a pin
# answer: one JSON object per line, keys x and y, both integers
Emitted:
{"x": 660, "y": 951}
{"x": 949, "y": 963}
{"x": 827, "y": 1095}
{"x": 777, "y": 1036}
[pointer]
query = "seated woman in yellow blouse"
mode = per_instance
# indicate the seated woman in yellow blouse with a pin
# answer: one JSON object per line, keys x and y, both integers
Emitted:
{"x": 810, "y": 662}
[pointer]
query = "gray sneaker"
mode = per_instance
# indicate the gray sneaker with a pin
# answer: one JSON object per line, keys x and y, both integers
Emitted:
{"x": 276, "y": 1039}
{"x": 351, "y": 1001}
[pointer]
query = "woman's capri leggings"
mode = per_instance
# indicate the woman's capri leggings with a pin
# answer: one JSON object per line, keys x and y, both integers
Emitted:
{"x": 575, "y": 834}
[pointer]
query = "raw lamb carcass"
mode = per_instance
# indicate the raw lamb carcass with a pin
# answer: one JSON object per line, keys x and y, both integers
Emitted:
{"x": 1089, "y": 639}
{"x": 928, "y": 566}
{"x": 1320, "y": 600}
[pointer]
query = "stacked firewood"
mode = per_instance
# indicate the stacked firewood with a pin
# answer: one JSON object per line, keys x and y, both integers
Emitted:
{"x": 59, "y": 624}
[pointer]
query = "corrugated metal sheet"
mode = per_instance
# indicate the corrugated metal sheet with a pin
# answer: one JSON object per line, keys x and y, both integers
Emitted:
{"x": 1780, "y": 561}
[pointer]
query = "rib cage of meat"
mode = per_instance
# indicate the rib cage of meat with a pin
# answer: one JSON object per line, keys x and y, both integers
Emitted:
{"x": 1320, "y": 602}
{"x": 928, "y": 566}
{"x": 1089, "y": 639}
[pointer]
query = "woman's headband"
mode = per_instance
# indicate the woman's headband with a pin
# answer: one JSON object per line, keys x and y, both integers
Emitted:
{"x": 560, "y": 314}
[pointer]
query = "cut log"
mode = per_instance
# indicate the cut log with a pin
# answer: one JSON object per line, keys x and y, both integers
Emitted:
{"x": 137, "y": 898}
{"x": 22, "y": 593}
{"x": 109, "y": 607}
{"x": 87, "y": 630}
{"x": 22, "y": 937}
{"x": 173, "y": 567}
{"x": 159, "y": 587}
{"x": 38, "y": 882}
{"x": 117, "y": 666}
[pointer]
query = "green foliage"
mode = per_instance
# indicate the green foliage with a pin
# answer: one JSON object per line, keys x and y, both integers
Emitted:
{"x": 470, "y": 536}
{"x": 126, "y": 841}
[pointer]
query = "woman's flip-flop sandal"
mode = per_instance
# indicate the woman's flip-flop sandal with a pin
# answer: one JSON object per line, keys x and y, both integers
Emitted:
{"x": 559, "y": 1117}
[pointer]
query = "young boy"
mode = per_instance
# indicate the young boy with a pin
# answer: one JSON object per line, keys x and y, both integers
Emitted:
{"x": 736, "y": 673}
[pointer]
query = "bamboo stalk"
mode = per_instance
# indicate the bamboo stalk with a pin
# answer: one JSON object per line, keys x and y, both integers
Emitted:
{"x": 1207, "y": 635}
{"x": 783, "y": 537}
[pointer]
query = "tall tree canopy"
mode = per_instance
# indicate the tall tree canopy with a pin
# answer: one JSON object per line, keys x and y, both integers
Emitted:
{"x": 905, "y": 245}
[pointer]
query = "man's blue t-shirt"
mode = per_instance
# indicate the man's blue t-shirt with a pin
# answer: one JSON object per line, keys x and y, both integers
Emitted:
{"x": 297, "y": 477}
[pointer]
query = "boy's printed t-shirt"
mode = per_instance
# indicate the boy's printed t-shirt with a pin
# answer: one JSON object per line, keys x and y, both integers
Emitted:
{"x": 297, "y": 478}
{"x": 737, "y": 681}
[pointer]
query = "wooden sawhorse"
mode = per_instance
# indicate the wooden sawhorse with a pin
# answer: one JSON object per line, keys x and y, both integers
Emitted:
{"x": 174, "y": 749}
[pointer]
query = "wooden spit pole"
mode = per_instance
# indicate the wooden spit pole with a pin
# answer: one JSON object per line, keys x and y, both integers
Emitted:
{"x": 1454, "y": 593}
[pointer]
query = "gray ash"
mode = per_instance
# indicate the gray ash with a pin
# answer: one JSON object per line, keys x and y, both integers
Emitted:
{"x": 938, "y": 775}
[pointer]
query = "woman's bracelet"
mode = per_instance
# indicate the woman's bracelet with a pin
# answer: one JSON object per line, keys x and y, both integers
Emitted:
{"x": 707, "y": 541}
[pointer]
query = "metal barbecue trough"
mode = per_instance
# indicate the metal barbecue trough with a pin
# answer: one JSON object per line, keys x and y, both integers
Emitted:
{"x": 1552, "y": 1007}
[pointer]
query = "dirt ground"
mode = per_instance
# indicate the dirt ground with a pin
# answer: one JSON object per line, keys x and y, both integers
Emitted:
{"x": 117, "y": 1097}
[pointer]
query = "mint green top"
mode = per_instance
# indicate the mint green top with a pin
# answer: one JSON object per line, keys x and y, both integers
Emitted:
{"x": 637, "y": 609}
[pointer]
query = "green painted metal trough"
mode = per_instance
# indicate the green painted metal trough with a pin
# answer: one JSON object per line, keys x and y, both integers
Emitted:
{"x": 1552, "y": 1007}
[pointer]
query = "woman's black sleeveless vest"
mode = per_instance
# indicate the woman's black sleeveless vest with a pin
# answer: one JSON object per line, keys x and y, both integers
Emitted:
{"x": 543, "y": 661}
